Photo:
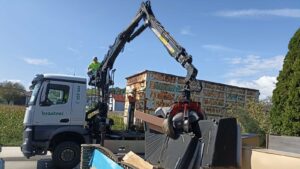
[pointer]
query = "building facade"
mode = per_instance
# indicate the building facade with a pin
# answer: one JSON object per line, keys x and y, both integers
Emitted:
{"x": 154, "y": 89}
{"x": 117, "y": 102}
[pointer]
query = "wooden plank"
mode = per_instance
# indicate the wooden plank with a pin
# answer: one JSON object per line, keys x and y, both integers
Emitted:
{"x": 284, "y": 143}
{"x": 136, "y": 161}
{"x": 155, "y": 123}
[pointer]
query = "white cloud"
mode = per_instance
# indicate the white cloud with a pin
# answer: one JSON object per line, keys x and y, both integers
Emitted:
{"x": 265, "y": 84}
{"x": 37, "y": 61}
{"x": 252, "y": 64}
{"x": 294, "y": 13}
{"x": 186, "y": 31}
{"x": 214, "y": 47}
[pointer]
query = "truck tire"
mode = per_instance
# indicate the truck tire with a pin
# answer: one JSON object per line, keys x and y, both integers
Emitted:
{"x": 66, "y": 155}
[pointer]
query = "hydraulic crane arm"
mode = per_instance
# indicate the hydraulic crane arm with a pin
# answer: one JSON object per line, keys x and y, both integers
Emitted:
{"x": 174, "y": 49}
{"x": 133, "y": 30}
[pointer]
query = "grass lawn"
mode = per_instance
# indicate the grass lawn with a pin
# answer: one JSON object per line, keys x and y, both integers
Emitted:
{"x": 11, "y": 125}
{"x": 118, "y": 121}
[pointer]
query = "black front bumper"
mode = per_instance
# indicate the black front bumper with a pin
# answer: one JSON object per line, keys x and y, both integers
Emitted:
{"x": 31, "y": 147}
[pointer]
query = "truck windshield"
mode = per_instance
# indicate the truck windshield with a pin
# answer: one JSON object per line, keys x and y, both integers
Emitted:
{"x": 34, "y": 94}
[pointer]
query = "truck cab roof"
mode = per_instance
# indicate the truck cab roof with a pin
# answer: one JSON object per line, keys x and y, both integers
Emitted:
{"x": 62, "y": 77}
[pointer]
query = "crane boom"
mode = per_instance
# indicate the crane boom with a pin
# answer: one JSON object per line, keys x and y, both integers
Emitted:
{"x": 130, "y": 33}
{"x": 174, "y": 49}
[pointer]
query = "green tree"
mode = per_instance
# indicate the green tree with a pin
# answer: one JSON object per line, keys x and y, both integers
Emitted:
{"x": 117, "y": 90}
{"x": 285, "y": 114}
{"x": 92, "y": 92}
{"x": 10, "y": 91}
{"x": 254, "y": 117}
{"x": 260, "y": 112}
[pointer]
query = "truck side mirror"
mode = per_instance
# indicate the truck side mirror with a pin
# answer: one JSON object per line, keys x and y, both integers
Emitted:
{"x": 43, "y": 95}
{"x": 43, "y": 98}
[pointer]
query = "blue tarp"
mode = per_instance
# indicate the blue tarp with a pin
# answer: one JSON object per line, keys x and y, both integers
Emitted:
{"x": 101, "y": 161}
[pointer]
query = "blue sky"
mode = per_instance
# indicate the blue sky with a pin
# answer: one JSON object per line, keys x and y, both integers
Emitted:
{"x": 234, "y": 42}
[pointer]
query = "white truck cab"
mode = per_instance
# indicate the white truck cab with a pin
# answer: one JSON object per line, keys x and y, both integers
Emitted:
{"x": 54, "y": 98}
{"x": 55, "y": 118}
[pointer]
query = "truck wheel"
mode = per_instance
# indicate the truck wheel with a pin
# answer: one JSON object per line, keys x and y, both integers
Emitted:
{"x": 66, "y": 155}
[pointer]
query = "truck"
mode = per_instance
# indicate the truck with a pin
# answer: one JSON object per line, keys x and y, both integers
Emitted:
{"x": 56, "y": 119}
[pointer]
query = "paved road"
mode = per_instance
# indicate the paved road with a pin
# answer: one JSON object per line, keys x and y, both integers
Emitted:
{"x": 14, "y": 159}
{"x": 27, "y": 165}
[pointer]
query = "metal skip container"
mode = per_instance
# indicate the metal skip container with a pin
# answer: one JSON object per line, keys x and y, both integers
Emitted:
{"x": 1, "y": 160}
{"x": 152, "y": 89}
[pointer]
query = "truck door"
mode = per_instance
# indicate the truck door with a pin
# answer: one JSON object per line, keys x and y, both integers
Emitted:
{"x": 78, "y": 104}
{"x": 54, "y": 105}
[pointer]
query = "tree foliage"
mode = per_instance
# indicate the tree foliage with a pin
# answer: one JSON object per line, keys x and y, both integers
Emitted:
{"x": 117, "y": 90}
{"x": 254, "y": 117}
{"x": 285, "y": 114}
{"x": 10, "y": 91}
